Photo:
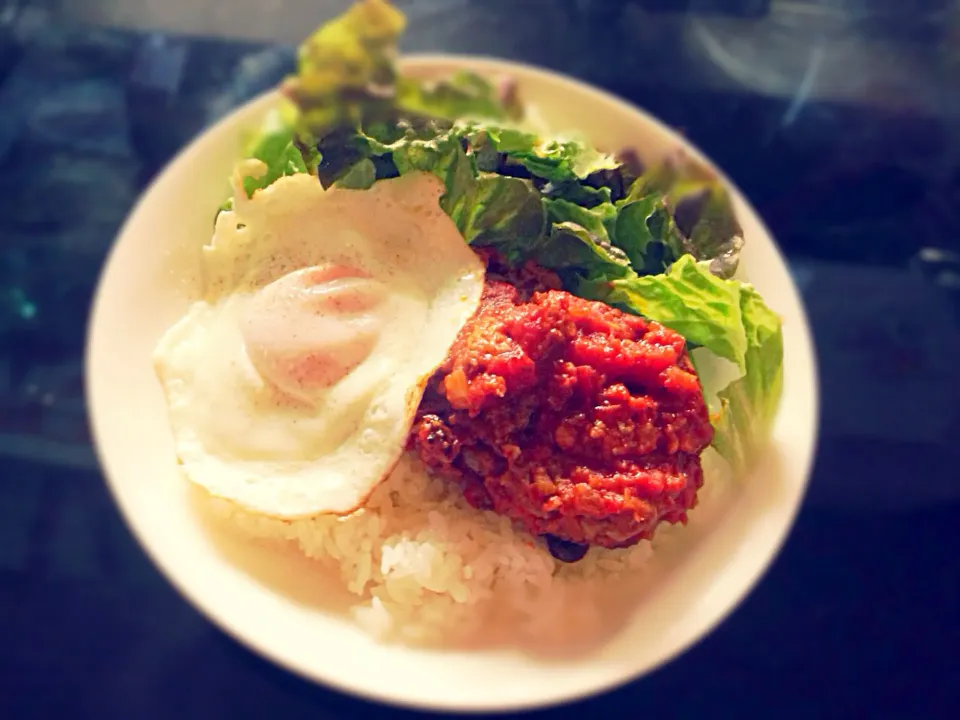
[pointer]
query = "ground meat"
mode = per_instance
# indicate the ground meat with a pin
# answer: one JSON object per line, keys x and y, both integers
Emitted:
{"x": 580, "y": 421}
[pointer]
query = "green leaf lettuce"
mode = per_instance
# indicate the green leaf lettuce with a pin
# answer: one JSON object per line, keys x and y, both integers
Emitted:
{"x": 728, "y": 318}
{"x": 663, "y": 243}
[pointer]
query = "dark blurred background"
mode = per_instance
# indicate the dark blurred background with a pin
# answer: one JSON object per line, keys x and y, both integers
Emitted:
{"x": 838, "y": 119}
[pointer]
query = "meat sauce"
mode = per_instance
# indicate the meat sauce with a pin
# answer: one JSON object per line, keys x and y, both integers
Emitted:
{"x": 581, "y": 422}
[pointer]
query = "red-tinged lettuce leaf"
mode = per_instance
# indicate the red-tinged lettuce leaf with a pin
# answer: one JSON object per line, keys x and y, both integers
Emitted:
{"x": 705, "y": 224}
{"x": 346, "y": 72}
{"x": 347, "y": 77}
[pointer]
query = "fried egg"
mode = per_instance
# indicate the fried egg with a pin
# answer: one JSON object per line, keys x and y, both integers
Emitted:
{"x": 292, "y": 384}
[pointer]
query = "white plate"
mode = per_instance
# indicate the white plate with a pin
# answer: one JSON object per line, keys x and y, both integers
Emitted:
{"x": 150, "y": 278}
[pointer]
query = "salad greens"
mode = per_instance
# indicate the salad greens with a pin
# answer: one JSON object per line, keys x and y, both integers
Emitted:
{"x": 274, "y": 145}
{"x": 749, "y": 404}
{"x": 663, "y": 243}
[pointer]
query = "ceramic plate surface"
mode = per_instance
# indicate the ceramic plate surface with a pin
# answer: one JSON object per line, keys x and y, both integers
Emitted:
{"x": 267, "y": 603}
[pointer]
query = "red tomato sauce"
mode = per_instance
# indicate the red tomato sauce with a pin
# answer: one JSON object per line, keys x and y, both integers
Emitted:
{"x": 569, "y": 416}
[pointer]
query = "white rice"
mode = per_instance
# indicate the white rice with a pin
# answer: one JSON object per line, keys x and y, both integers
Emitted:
{"x": 426, "y": 568}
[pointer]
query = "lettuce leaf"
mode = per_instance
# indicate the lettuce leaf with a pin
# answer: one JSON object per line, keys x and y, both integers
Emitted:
{"x": 639, "y": 234}
{"x": 599, "y": 220}
{"x": 575, "y": 192}
{"x": 359, "y": 176}
{"x": 488, "y": 209}
{"x": 464, "y": 95}
{"x": 728, "y": 318}
{"x": 703, "y": 213}
{"x": 346, "y": 77}
{"x": 345, "y": 71}
{"x": 693, "y": 301}
{"x": 558, "y": 160}
{"x": 505, "y": 213}
{"x": 572, "y": 250}
{"x": 644, "y": 231}
{"x": 277, "y": 144}
{"x": 748, "y": 406}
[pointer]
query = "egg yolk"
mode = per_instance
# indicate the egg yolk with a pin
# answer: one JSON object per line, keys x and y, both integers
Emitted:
{"x": 307, "y": 330}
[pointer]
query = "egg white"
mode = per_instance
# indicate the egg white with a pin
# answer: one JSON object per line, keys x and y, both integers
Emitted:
{"x": 241, "y": 437}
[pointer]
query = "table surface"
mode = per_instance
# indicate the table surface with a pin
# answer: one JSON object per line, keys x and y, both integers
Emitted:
{"x": 844, "y": 132}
